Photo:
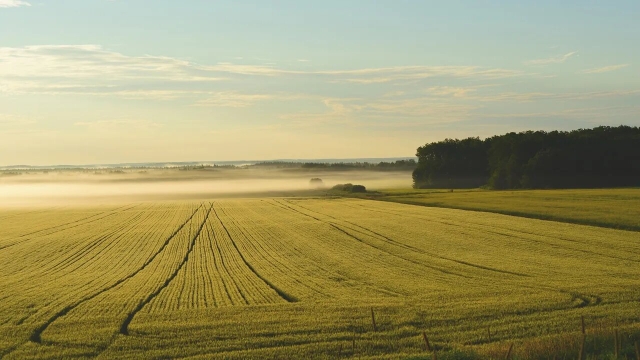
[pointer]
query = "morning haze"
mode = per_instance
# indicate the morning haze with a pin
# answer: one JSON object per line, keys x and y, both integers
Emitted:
{"x": 319, "y": 179}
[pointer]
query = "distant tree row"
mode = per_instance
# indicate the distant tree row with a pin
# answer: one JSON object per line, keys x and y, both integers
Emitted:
{"x": 600, "y": 157}
{"x": 407, "y": 165}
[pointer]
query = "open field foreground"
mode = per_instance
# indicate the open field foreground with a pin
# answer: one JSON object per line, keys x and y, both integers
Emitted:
{"x": 294, "y": 278}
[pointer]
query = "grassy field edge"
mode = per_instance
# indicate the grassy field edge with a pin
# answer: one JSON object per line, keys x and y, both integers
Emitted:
{"x": 516, "y": 213}
{"x": 616, "y": 222}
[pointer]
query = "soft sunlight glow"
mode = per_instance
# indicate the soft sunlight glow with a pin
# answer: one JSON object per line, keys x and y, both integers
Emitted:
{"x": 13, "y": 3}
{"x": 251, "y": 82}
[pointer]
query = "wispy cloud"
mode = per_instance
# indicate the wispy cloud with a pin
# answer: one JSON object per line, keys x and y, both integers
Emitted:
{"x": 232, "y": 99}
{"x": 80, "y": 61}
{"x": 361, "y": 111}
{"x": 551, "y": 60}
{"x": 338, "y": 111}
{"x": 369, "y": 75}
{"x": 604, "y": 69}
{"x": 91, "y": 61}
{"x": 404, "y": 73}
{"x": 13, "y": 3}
{"x": 450, "y": 91}
{"x": 429, "y": 112}
{"x": 537, "y": 96}
{"x": 580, "y": 113}
{"x": 93, "y": 70}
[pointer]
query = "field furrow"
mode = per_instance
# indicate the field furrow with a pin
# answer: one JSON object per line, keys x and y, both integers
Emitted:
{"x": 236, "y": 281}
{"x": 77, "y": 282}
{"x": 140, "y": 236}
{"x": 36, "y": 335}
{"x": 303, "y": 277}
{"x": 60, "y": 228}
{"x": 336, "y": 222}
{"x": 124, "y": 327}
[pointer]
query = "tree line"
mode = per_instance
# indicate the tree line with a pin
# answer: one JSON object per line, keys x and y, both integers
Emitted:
{"x": 399, "y": 165}
{"x": 600, "y": 157}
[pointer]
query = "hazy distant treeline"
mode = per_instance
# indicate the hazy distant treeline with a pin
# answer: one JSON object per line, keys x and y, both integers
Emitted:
{"x": 408, "y": 165}
{"x": 599, "y": 157}
{"x": 399, "y": 165}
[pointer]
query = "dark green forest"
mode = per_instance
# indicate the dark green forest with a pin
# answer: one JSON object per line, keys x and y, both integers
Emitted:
{"x": 600, "y": 157}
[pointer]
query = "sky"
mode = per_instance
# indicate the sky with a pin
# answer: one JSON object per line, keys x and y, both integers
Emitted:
{"x": 114, "y": 81}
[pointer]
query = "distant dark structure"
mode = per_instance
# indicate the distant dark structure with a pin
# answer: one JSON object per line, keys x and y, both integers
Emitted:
{"x": 350, "y": 188}
{"x": 316, "y": 183}
{"x": 600, "y": 157}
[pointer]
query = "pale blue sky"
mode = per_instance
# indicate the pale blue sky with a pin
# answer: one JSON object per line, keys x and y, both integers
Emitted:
{"x": 100, "y": 81}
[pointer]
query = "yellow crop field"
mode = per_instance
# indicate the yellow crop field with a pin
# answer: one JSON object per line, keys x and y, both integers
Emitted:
{"x": 615, "y": 208}
{"x": 309, "y": 278}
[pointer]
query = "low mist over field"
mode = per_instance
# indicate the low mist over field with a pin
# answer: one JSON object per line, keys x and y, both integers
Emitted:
{"x": 319, "y": 179}
{"x": 78, "y": 186}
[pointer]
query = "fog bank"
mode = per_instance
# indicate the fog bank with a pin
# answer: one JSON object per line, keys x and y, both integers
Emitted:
{"x": 51, "y": 189}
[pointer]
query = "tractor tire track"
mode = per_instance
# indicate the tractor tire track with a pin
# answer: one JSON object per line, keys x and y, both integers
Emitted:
{"x": 482, "y": 267}
{"x": 122, "y": 232}
{"x": 399, "y": 244}
{"x": 82, "y": 251}
{"x": 260, "y": 247}
{"x": 36, "y": 335}
{"x": 124, "y": 327}
{"x": 125, "y": 232}
{"x": 444, "y": 271}
{"x": 488, "y": 229}
{"x": 70, "y": 259}
{"x": 113, "y": 212}
{"x": 217, "y": 267}
{"x": 225, "y": 270}
{"x": 110, "y": 212}
{"x": 281, "y": 293}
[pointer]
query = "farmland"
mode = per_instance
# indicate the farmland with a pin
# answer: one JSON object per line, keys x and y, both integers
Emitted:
{"x": 305, "y": 277}
{"x": 614, "y": 208}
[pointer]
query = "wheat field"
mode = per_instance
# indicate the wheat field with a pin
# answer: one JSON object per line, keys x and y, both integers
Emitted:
{"x": 293, "y": 278}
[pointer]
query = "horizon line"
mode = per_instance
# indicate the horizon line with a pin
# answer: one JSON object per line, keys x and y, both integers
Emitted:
{"x": 204, "y": 162}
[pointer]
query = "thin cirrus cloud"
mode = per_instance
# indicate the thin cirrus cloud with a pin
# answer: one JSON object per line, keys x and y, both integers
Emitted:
{"x": 93, "y": 70}
{"x": 411, "y": 73}
{"x": 238, "y": 99}
{"x": 450, "y": 94}
{"x": 232, "y": 99}
{"x": 91, "y": 61}
{"x": 450, "y": 91}
{"x": 13, "y": 3}
{"x": 369, "y": 75}
{"x": 357, "y": 111}
{"x": 604, "y": 69}
{"x": 538, "y": 96}
{"x": 552, "y": 60}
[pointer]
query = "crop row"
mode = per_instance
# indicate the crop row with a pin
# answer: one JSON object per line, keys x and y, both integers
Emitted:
{"x": 133, "y": 270}
{"x": 83, "y": 265}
